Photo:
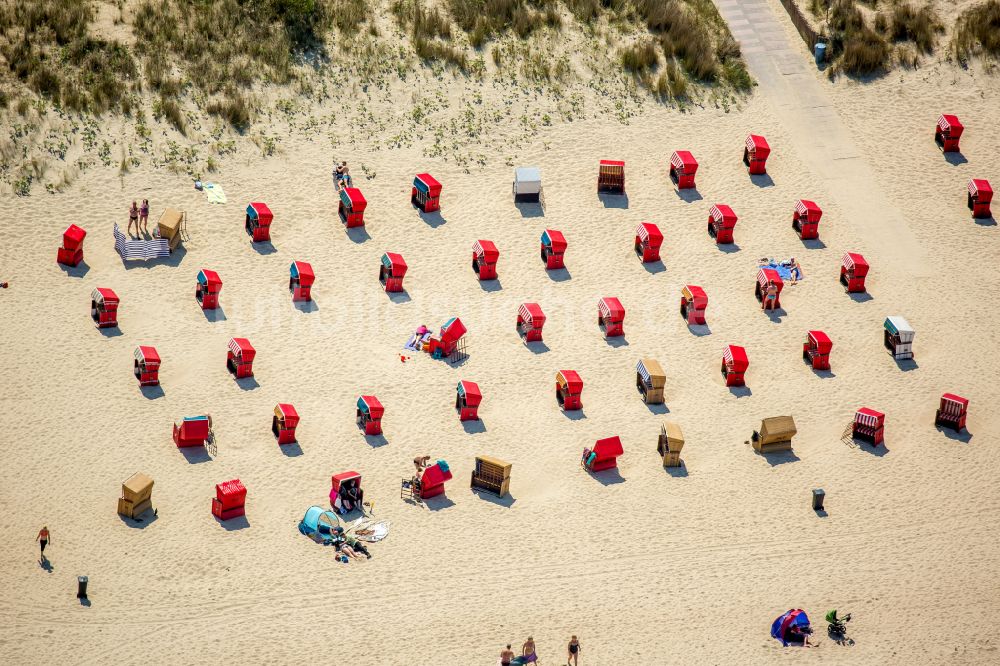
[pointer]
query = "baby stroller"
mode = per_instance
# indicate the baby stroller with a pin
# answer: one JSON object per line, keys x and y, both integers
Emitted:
{"x": 837, "y": 626}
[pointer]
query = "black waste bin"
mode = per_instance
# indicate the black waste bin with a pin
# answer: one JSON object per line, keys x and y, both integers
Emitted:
{"x": 81, "y": 587}
{"x": 818, "y": 496}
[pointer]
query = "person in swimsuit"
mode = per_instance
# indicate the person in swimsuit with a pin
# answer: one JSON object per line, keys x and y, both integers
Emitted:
{"x": 506, "y": 656}
{"x": 133, "y": 218}
{"x": 144, "y": 216}
{"x": 771, "y": 297}
{"x": 528, "y": 655}
{"x": 573, "y": 651}
{"x": 43, "y": 539}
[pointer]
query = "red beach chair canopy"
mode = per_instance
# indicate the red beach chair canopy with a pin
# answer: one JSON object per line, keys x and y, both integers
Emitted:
{"x": 487, "y": 250}
{"x": 736, "y": 356}
{"x": 473, "y": 396}
{"x": 241, "y": 347}
{"x": 757, "y": 145}
{"x": 650, "y": 233}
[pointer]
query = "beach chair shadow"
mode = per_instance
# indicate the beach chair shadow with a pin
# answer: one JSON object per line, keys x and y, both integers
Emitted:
{"x": 111, "y": 332}
{"x": 677, "y": 472}
{"x": 862, "y": 297}
{"x": 741, "y": 391}
{"x": 608, "y": 477}
{"x": 906, "y": 364}
{"x": 813, "y": 244}
{"x": 574, "y": 414}
{"x": 141, "y": 523}
{"x": 824, "y": 374}
{"x": 490, "y": 286}
{"x": 728, "y": 248}
{"x": 688, "y": 195}
{"x": 263, "y": 248}
{"x": 218, "y": 314}
{"x": 614, "y": 200}
{"x": 433, "y": 220}
{"x": 955, "y": 159}
{"x": 879, "y": 451}
{"x": 658, "y": 408}
{"x": 530, "y": 208}
{"x": 559, "y": 274}
{"x": 292, "y": 450}
{"x": 779, "y": 458}
{"x": 986, "y": 221}
{"x": 78, "y": 271}
{"x": 376, "y": 441}
{"x": 762, "y": 180}
{"x": 233, "y": 524}
{"x": 537, "y": 347}
{"x": 247, "y": 383}
{"x": 473, "y": 427}
{"x": 775, "y": 315}
{"x": 438, "y": 503}
{"x": 821, "y": 513}
{"x": 964, "y": 436}
{"x": 358, "y": 234}
{"x": 306, "y": 307}
{"x": 195, "y": 454}
{"x": 399, "y": 296}
{"x": 654, "y": 267}
{"x": 151, "y": 392}
{"x": 616, "y": 341}
{"x": 505, "y": 501}
{"x": 700, "y": 330}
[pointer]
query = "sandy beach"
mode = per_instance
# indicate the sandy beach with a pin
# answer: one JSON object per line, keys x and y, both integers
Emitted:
{"x": 647, "y": 565}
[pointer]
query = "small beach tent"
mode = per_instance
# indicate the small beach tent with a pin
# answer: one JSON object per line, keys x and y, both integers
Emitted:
{"x": 611, "y": 317}
{"x": 147, "y": 366}
{"x": 426, "y": 193}
{"x": 258, "y": 222}
{"x": 492, "y": 475}
{"x": 104, "y": 307}
{"x": 734, "y": 365}
{"x": 553, "y": 249}
{"x": 670, "y": 443}
{"x": 239, "y": 357}
{"x": 569, "y": 388}
{"x": 650, "y": 380}
{"x": 446, "y": 343}
{"x": 683, "y": 168}
{"x": 816, "y": 350}
{"x": 980, "y": 196}
{"x": 898, "y": 337}
{"x": 611, "y": 177}
{"x": 300, "y": 280}
{"x": 484, "y": 259}
{"x": 136, "y": 497}
{"x": 530, "y": 320}
{"x": 755, "y": 152}
{"x": 694, "y": 301}
{"x": 369, "y": 415}
{"x": 352, "y": 207}
{"x": 206, "y": 292}
{"x": 71, "y": 252}
{"x": 192, "y": 431}
{"x": 721, "y": 222}
{"x": 604, "y": 455}
{"x": 781, "y": 628}
{"x": 853, "y": 270}
{"x": 527, "y": 184}
{"x": 775, "y": 434}
{"x": 230, "y": 500}
{"x": 391, "y": 271}
{"x": 947, "y": 133}
{"x": 318, "y": 523}
{"x": 433, "y": 478}
{"x": 648, "y": 240}
{"x": 952, "y": 411}
{"x": 340, "y": 482}
{"x": 170, "y": 224}
{"x": 467, "y": 399}
{"x": 869, "y": 426}
{"x": 284, "y": 423}
{"x": 805, "y": 219}
{"x": 764, "y": 276}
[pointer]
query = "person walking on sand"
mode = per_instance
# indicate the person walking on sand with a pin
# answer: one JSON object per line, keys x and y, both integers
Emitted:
{"x": 573, "y": 651}
{"x": 144, "y": 215}
{"x": 506, "y": 656}
{"x": 133, "y": 218}
{"x": 528, "y": 655}
{"x": 43, "y": 539}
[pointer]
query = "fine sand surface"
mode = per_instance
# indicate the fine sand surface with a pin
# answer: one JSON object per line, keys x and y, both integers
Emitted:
{"x": 645, "y": 565}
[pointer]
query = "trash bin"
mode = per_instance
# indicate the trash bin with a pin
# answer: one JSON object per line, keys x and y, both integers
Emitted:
{"x": 818, "y": 496}
{"x": 820, "y": 52}
{"x": 81, "y": 587}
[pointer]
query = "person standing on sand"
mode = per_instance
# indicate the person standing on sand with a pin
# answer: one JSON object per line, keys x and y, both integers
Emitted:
{"x": 770, "y": 297}
{"x": 528, "y": 655}
{"x": 133, "y": 218}
{"x": 43, "y": 539}
{"x": 573, "y": 651}
{"x": 144, "y": 216}
{"x": 506, "y": 656}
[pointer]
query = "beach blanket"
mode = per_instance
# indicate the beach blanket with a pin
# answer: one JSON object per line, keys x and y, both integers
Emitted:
{"x": 416, "y": 342}
{"x": 215, "y": 193}
{"x": 140, "y": 249}
{"x": 366, "y": 529}
{"x": 784, "y": 272}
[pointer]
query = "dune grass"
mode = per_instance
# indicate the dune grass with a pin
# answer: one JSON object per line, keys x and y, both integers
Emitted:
{"x": 977, "y": 31}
